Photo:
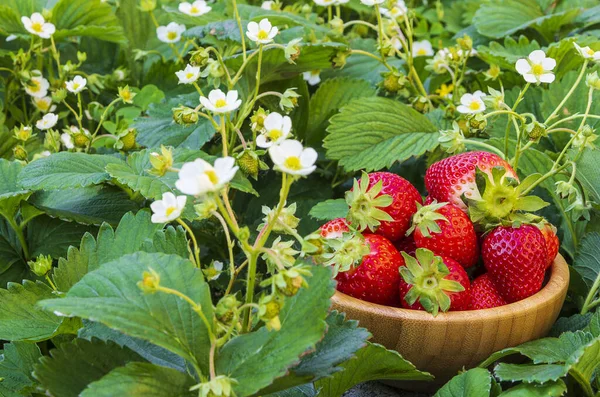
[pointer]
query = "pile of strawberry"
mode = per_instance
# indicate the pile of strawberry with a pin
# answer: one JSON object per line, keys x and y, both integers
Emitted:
{"x": 476, "y": 224}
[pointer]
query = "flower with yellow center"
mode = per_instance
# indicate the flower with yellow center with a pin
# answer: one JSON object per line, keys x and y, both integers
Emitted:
{"x": 312, "y": 77}
{"x": 587, "y": 52}
{"x": 219, "y": 102}
{"x": 188, "y": 75}
{"x": 262, "y": 32}
{"x": 170, "y": 33}
{"x": 276, "y": 129}
{"x": 422, "y": 49}
{"x": 536, "y": 68}
{"x": 76, "y": 85}
{"x": 38, "y": 26}
{"x": 472, "y": 103}
{"x": 43, "y": 104}
{"x": 194, "y": 9}
{"x": 37, "y": 86}
{"x": 48, "y": 121}
{"x": 445, "y": 91}
{"x": 398, "y": 10}
{"x": 168, "y": 209}
{"x": 200, "y": 177}
{"x": 292, "y": 158}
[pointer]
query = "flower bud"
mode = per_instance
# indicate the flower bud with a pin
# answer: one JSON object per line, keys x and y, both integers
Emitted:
{"x": 119, "y": 74}
{"x": 292, "y": 50}
{"x": 258, "y": 119}
{"x": 337, "y": 26}
{"x": 147, "y": 5}
{"x": 126, "y": 94}
{"x": 206, "y": 208}
{"x": 394, "y": 81}
{"x": 535, "y": 130}
{"x": 41, "y": 266}
{"x": 220, "y": 386}
{"x": 465, "y": 43}
{"x": 477, "y": 123}
{"x": 23, "y": 133}
{"x": 492, "y": 73}
{"x": 81, "y": 56}
{"x": 81, "y": 139}
{"x": 59, "y": 95}
{"x": 249, "y": 163}
{"x": 289, "y": 100}
{"x": 593, "y": 81}
{"x": 339, "y": 60}
{"x": 184, "y": 115}
{"x": 269, "y": 308}
{"x": 587, "y": 130}
{"x": 150, "y": 282}
{"x": 162, "y": 162}
{"x": 421, "y": 104}
{"x": 20, "y": 153}
{"x": 285, "y": 222}
{"x": 199, "y": 57}
{"x": 127, "y": 140}
{"x": 452, "y": 140}
{"x": 52, "y": 141}
{"x": 566, "y": 190}
{"x": 225, "y": 308}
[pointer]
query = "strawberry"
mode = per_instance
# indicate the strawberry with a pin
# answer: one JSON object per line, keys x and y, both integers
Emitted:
{"x": 334, "y": 228}
{"x": 484, "y": 294}
{"x": 450, "y": 178}
{"x": 433, "y": 283}
{"x": 376, "y": 278}
{"x": 447, "y": 231}
{"x": 407, "y": 244}
{"x": 552, "y": 243}
{"x": 384, "y": 203}
{"x": 515, "y": 258}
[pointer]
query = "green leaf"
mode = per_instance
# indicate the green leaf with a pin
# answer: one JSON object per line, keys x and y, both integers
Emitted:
{"x": 329, "y": 209}
{"x": 505, "y": 17}
{"x": 16, "y": 365}
{"x": 256, "y": 359}
{"x": 72, "y": 366}
{"x": 588, "y": 175}
{"x": 507, "y": 55}
{"x": 220, "y": 30}
{"x": 11, "y": 253}
{"x": 133, "y": 231}
{"x": 50, "y": 236}
{"x": 90, "y": 205}
{"x": 474, "y": 382}
{"x": 11, "y": 193}
{"x": 66, "y": 170}
{"x": 158, "y": 127}
{"x": 154, "y": 354}
{"x": 530, "y": 373}
{"x": 374, "y": 133}
{"x": 573, "y": 323}
{"x": 142, "y": 380}
{"x": 587, "y": 260}
{"x": 92, "y": 18}
{"x": 342, "y": 340}
{"x": 372, "y": 362}
{"x": 20, "y": 318}
{"x": 149, "y": 94}
{"x": 548, "y": 389}
{"x": 594, "y": 325}
{"x": 327, "y": 100}
{"x": 110, "y": 295}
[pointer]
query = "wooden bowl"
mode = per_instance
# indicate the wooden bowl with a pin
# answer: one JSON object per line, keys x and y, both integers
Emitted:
{"x": 445, "y": 344}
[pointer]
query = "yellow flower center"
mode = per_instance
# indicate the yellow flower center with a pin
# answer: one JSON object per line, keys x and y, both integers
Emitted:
{"x": 189, "y": 75}
{"x": 42, "y": 105}
{"x": 421, "y": 51}
{"x": 220, "y": 103}
{"x": 170, "y": 210}
{"x": 194, "y": 10}
{"x": 34, "y": 86}
{"x": 589, "y": 51}
{"x": 475, "y": 105}
{"x": 171, "y": 35}
{"x": 275, "y": 134}
{"x": 75, "y": 86}
{"x": 292, "y": 163}
{"x": 262, "y": 35}
{"x": 212, "y": 176}
{"x": 537, "y": 69}
{"x": 445, "y": 90}
{"x": 37, "y": 27}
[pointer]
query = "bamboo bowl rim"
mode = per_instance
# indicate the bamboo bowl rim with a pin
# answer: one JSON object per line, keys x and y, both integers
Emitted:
{"x": 556, "y": 286}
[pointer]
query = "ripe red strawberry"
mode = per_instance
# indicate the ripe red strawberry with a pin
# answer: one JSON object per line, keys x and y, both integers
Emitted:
{"x": 433, "y": 283}
{"x": 515, "y": 258}
{"x": 447, "y": 231}
{"x": 407, "y": 244}
{"x": 450, "y": 178}
{"x": 484, "y": 294}
{"x": 552, "y": 243}
{"x": 376, "y": 279}
{"x": 334, "y": 228}
{"x": 384, "y": 203}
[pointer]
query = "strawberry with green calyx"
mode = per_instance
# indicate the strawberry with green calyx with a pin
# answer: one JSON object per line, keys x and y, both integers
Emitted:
{"x": 376, "y": 279}
{"x": 503, "y": 199}
{"x": 484, "y": 294}
{"x": 552, "y": 243}
{"x": 447, "y": 231}
{"x": 450, "y": 179}
{"x": 383, "y": 203}
{"x": 433, "y": 283}
{"x": 334, "y": 228}
{"x": 344, "y": 253}
{"x": 515, "y": 258}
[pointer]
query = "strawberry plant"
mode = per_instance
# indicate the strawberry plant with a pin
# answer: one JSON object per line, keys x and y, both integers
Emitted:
{"x": 184, "y": 186}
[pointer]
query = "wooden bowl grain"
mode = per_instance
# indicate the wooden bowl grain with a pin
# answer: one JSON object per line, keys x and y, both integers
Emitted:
{"x": 445, "y": 344}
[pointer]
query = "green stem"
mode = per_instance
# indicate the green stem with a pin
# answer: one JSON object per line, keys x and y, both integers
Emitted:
{"x": 236, "y": 15}
{"x": 585, "y": 385}
{"x": 252, "y": 260}
{"x": 20, "y": 235}
{"x": 223, "y": 131}
{"x": 193, "y": 237}
{"x": 260, "y": 51}
{"x": 484, "y": 145}
{"x": 229, "y": 248}
{"x": 359, "y": 22}
{"x": 566, "y": 98}
{"x": 51, "y": 283}
{"x": 507, "y": 131}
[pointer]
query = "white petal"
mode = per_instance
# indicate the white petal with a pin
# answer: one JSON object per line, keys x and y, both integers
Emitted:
{"x": 232, "y": 96}
{"x": 181, "y": 200}
{"x": 253, "y": 28}
{"x": 548, "y": 63}
{"x": 273, "y": 121}
{"x": 291, "y": 147}
{"x": 158, "y": 207}
{"x": 36, "y": 17}
{"x": 537, "y": 56}
{"x": 277, "y": 154}
{"x": 522, "y": 66}
{"x": 265, "y": 25}
{"x": 466, "y": 99}
{"x": 261, "y": 141}
{"x": 547, "y": 78}
{"x": 308, "y": 157}
{"x": 463, "y": 109}
{"x": 287, "y": 125}
{"x": 530, "y": 78}
{"x": 273, "y": 32}
{"x": 156, "y": 218}
{"x": 169, "y": 199}
{"x": 215, "y": 95}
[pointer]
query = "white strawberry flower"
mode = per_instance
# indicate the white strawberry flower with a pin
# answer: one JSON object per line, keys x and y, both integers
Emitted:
{"x": 341, "y": 2}
{"x": 422, "y": 48}
{"x": 168, "y": 209}
{"x": 170, "y": 33}
{"x": 199, "y": 177}
{"x": 536, "y": 68}
{"x": 48, "y": 121}
{"x": 398, "y": 10}
{"x": 276, "y": 129}
{"x": 312, "y": 77}
{"x": 67, "y": 140}
{"x": 262, "y": 32}
{"x": 76, "y": 85}
{"x": 472, "y": 103}
{"x": 37, "y": 86}
{"x": 188, "y": 75}
{"x": 195, "y": 9}
{"x": 292, "y": 158}
{"x": 43, "y": 104}
{"x": 267, "y": 5}
{"x": 38, "y": 26}
{"x": 587, "y": 52}
{"x": 372, "y": 2}
{"x": 324, "y": 3}
{"x": 218, "y": 102}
